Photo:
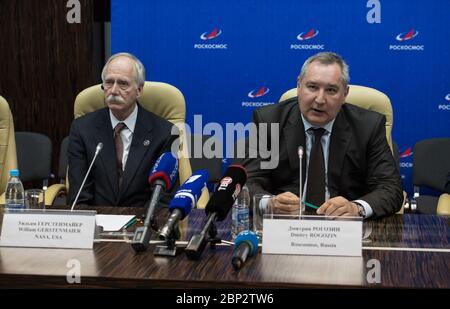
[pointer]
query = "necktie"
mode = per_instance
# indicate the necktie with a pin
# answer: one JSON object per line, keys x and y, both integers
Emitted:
{"x": 119, "y": 149}
{"x": 315, "y": 191}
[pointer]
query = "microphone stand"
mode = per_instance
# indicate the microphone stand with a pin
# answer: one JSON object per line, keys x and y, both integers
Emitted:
{"x": 213, "y": 239}
{"x": 143, "y": 233}
{"x": 169, "y": 248}
{"x": 300, "y": 176}
{"x": 198, "y": 242}
{"x": 97, "y": 151}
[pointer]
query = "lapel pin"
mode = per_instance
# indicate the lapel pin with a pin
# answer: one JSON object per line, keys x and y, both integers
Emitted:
{"x": 146, "y": 143}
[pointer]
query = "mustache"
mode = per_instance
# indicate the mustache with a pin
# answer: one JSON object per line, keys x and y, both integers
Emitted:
{"x": 114, "y": 99}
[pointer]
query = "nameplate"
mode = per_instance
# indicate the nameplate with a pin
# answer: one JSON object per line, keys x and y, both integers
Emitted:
{"x": 312, "y": 237}
{"x": 48, "y": 229}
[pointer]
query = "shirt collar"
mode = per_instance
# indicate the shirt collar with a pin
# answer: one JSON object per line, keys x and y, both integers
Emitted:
{"x": 328, "y": 127}
{"x": 130, "y": 122}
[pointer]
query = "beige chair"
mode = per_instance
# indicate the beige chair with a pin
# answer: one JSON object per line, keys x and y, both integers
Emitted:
{"x": 160, "y": 98}
{"x": 368, "y": 98}
{"x": 8, "y": 157}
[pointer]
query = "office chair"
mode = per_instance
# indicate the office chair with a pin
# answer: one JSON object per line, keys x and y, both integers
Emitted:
{"x": 371, "y": 99}
{"x": 160, "y": 98}
{"x": 431, "y": 165}
{"x": 8, "y": 158}
{"x": 34, "y": 157}
{"x": 62, "y": 163}
{"x": 56, "y": 194}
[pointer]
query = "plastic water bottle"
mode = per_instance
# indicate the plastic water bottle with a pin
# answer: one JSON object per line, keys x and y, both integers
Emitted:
{"x": 14, "y": 193}
{"x": 240, "y": 213}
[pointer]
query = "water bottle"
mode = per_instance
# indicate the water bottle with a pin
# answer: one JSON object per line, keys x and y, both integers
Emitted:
{"x": 14, "y": 194}
{"x": 240, "y": 213}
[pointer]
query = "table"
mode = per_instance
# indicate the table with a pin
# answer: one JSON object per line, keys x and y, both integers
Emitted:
{"x": 412, "y": 251}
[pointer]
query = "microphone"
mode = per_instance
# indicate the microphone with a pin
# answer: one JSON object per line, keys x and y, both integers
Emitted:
{"x": 217, "y": 208}
{"x": 245, "y": 245}
{"x": 97, "y": 151}
{"x": 161, "y": 177}
{"x": 300, "y": 176}
{"x": 185, "y": 198}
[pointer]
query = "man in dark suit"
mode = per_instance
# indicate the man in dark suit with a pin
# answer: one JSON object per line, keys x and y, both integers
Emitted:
{"x": 358, "y": 174}
{"x": 132, "y": 138}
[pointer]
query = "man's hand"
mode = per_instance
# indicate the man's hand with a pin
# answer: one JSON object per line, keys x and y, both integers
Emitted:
{"x": 338, "y": 206}
{"x": 286, "y": 203}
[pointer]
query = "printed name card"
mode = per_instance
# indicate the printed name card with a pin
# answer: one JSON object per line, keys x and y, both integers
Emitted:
{"x": 48, "y": 229}
{"x": 313, "y": 237}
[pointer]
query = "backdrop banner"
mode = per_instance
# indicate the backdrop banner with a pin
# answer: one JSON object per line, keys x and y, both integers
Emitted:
{"x": 230, "y": 57}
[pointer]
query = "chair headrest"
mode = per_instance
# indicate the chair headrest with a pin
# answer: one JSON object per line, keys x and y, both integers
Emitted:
{"x": 371, "y": 99}
{"x": 162, "y": 99}
{"x": 365, "y": 97}
{"x": 368, "y": 98}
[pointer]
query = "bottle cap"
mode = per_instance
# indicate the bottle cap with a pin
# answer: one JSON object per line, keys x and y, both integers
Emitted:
{"x": 14, "y": 173}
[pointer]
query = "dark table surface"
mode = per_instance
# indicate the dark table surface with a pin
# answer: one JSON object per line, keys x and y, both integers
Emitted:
{"x": 407, "y": 250}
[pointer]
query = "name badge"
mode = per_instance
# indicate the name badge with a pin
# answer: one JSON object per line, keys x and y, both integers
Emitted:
{"x": 340, "y": 237}
{"x": 48, "y": 229}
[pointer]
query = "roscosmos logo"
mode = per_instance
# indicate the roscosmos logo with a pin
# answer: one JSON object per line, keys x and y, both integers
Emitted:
{"x": 205, "y": 36}
{"x": 210, "y": 35}
{"x": 305, "y": 36}
{"x": 407, "y": 153}
{"x": 258, "y": 93}
{"x": 445, "y": 107}
{"x": 405, "y": 162}
{"x": 309, "y": 35}
{"x": 407, "y": 36}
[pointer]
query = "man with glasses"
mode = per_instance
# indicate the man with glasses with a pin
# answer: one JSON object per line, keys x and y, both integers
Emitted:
{"x": 132, "y": 138}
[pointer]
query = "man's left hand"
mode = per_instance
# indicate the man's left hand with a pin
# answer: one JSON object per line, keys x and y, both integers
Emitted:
{"x": 338, "y": 206}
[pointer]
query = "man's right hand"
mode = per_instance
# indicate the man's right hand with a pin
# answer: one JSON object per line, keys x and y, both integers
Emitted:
{"x": 286, "y": 203}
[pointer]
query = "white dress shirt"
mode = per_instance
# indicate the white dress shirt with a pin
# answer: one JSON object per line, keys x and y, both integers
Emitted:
{"x": 127, "y": 133}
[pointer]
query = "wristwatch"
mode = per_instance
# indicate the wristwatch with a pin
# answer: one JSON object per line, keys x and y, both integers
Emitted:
{"x": 361, "y": 210}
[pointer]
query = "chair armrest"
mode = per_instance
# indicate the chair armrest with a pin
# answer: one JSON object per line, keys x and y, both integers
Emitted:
{"x": 443, "y": 207}
{"x": 402, "y": 210}
{"x": 203, "y": 200}
{"x": 54, "y": 191}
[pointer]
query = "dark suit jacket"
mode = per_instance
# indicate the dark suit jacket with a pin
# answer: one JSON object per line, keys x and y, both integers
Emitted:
{"x": 360, "y": 163}
{"x": 101, "y": 187}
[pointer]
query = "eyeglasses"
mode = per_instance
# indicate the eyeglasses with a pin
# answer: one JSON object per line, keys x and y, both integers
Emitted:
{"x": 109, "y": 83}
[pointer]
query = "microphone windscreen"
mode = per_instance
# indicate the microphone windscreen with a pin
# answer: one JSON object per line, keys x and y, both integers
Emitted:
{"x": 165, "y": 169}
{"x": 227, "y": 190}
{"x": 248, "y": 237}
{"x": 189, "y": 193}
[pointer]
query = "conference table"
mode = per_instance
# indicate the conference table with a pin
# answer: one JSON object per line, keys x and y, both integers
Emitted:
{"x": 408, "y": 251}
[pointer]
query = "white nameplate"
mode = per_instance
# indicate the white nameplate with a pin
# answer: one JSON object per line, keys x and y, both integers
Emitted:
{"x": 48, "y": 229}
{"x": 312, "y": 237}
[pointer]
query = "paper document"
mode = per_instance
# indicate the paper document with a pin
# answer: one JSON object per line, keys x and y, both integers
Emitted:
{"x": 112, "y": 223}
